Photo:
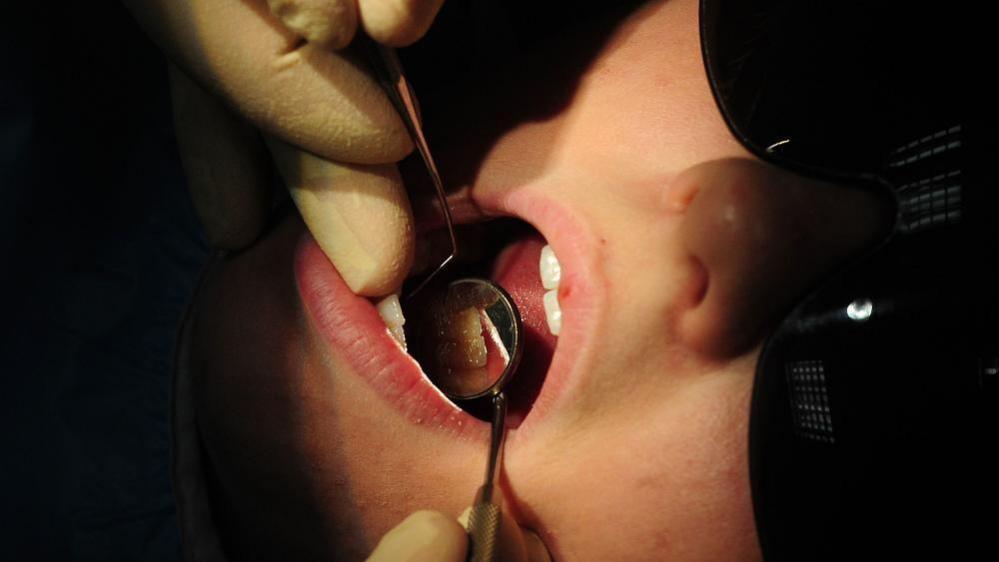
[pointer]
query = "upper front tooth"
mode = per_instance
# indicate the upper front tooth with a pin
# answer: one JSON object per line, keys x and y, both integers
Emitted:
{"x": 553, "y": 312}
{"x": 551, "y": 271}
{"x": 390, "y": 310}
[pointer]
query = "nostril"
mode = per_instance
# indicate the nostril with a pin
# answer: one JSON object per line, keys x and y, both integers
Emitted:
{"x": 697, "y": 285}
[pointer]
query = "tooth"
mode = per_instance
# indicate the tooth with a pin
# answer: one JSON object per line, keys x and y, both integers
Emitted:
{"x": 462, "y": 345}
{"x": 551, "y": 276}
{"x": 551, "y": 271}
{"x": 553, "y": 312}
{"x": 391, "y": 312}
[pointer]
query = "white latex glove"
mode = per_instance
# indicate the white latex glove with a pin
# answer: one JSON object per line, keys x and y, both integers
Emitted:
{"x": 431, "y": 536}
{"x": 272, "y": 65}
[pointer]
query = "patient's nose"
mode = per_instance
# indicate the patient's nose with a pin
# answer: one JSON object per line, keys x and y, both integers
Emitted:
{"x": 762, "y": 237}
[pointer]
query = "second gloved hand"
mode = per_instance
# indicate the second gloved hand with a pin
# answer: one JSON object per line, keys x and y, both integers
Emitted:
{"x": 431, "y": 536}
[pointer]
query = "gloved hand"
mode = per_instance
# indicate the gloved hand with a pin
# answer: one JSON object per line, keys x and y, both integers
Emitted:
{"x": 332, "y": 132}
{"x": 431, "y": 536}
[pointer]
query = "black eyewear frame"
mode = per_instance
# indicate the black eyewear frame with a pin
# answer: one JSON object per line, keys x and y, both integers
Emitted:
{"x": 875, "y": 402}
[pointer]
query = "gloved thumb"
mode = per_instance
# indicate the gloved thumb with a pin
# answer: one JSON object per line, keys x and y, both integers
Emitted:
{"x": 424, "y": 536}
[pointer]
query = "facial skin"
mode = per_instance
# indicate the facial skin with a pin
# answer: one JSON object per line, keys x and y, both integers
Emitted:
{"x": 693, "y": 251}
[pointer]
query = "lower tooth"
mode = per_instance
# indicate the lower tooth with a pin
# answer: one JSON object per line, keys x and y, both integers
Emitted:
{"x": 553, "y": 312}
{"x": 390, "y": 310}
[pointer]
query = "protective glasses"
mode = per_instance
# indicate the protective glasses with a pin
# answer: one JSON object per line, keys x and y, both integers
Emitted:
{"x": 874, "y": 407}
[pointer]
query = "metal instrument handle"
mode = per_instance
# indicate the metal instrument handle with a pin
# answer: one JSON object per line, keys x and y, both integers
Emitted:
{"x": 483, "y": 532}
{"x": 484, "y": 520}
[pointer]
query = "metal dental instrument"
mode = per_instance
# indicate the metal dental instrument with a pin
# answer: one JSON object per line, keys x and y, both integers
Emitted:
{"x": 485, "y": 517}
{"x": 389, "y": 72}
{"x": 473, "y": 336}
{"x": 472, "y": 340}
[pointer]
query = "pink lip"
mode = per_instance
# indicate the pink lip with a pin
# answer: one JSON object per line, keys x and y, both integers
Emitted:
{"x": 351, "y": 327}
{"x": 579, "y": 297}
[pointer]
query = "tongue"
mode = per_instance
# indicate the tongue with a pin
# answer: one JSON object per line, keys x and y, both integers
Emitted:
{"x": 516, "y": 270}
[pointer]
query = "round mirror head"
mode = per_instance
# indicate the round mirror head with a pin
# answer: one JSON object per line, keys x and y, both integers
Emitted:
{"x": 469, "y": 339}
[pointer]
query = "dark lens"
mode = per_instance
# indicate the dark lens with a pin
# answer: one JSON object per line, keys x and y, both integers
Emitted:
{"x": 873, "y": 410}
{"x": 833, "y": 85}
{"x": 876, "y": 396}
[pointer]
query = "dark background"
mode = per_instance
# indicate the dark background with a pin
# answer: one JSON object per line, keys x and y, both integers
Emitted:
{"x": 99, "y": 251}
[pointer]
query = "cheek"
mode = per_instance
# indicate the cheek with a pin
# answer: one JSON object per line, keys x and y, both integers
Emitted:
{"x": 662, "y": 479}
{"x": 305, "y": 448}
{"x": 371, "y": 467}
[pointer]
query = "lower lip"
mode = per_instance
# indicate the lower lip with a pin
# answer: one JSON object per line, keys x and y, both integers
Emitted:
{"x": 352, "y": 328}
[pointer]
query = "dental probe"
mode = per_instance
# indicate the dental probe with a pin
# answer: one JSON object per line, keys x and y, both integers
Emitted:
{"x": 475, "y": 316}
{"x": 484, "y": 520}
{"x": 389, "y": 72}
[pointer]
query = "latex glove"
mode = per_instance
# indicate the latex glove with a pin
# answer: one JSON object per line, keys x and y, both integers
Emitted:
{"x": 431, "y": 536}
{"x": 271, "y": 65}
{"x": 424, "y": 536}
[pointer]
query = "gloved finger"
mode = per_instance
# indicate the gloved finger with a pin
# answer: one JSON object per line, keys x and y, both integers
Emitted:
{"x": 225, "y": 164}
{"x": 359, "y": 215}
{"x": 398, "y": 22}
{"x": 424, "y": 536}
{"x": 516, "y": 543}
{"x": 330, "y": 23}
{"x": 321, "y": 100}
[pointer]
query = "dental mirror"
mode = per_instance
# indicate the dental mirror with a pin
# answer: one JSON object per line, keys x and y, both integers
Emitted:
{"x": 469, "y": 339}
{"x": 469, "y": 344}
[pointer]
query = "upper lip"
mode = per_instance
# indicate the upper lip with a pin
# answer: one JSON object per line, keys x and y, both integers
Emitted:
{"x": 351, "y": 327}
{"x": 463, "y": 207}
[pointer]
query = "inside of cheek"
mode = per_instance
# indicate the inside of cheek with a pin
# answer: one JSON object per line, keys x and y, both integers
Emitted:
{"x": 506, "y": 251}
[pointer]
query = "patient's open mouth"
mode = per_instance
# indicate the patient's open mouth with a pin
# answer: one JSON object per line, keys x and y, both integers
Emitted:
{"x": 514, "y": 255}
{"x": 509, "y": 251}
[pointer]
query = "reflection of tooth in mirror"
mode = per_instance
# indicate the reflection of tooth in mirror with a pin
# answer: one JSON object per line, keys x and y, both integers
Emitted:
{"x": 469, "y": 338}
{"x": 471, "y": 355}
{"x": 461, "y": 344}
